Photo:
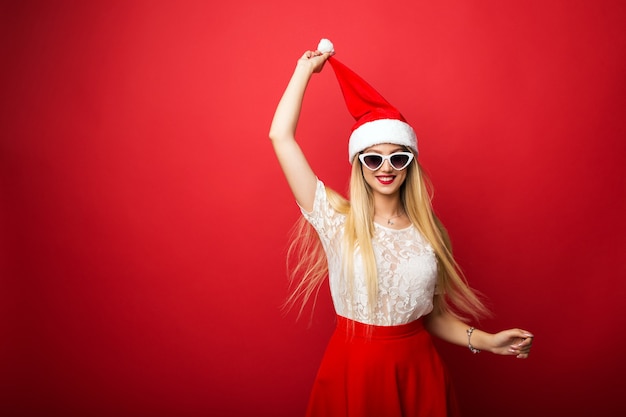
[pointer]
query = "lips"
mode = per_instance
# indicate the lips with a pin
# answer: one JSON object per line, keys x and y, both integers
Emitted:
{"x": 386, "y": 180}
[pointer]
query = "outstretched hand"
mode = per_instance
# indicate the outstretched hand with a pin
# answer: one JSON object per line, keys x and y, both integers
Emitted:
{"x": 513, "y": 342}
{"x": 314, "y": 59}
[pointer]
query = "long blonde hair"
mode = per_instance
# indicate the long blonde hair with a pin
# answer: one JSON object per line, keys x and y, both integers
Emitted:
{"x": 454, "y": 295}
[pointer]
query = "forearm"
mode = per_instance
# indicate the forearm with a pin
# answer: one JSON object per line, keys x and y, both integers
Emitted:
{"x": 299, "y": 175}
{"x": 288, "y": 110}
{"x": 516, "y": 342}
{"x": 447, "y": 327}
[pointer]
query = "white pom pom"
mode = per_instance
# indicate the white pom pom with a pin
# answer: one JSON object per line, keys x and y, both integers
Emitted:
{"x": 325, "y": 46}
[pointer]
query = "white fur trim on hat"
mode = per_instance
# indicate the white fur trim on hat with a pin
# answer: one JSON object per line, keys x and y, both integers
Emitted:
{"x": 381, "y": 131}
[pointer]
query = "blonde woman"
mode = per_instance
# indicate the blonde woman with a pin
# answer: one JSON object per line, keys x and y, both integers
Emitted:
{"x": 393, "y": 279}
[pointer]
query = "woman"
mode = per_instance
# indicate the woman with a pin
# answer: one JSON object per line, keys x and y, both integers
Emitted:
{"x": 393, "y": 279}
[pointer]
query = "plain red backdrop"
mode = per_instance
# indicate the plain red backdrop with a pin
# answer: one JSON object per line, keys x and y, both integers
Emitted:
{"x": 145, "y": 219}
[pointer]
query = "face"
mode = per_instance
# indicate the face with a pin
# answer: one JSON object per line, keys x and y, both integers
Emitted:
{"x": 386, "y": 179}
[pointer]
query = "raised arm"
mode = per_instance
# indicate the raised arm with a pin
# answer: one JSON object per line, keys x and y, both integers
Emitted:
{"x": 300, "y": 176}
{"x": 515, "y": 342}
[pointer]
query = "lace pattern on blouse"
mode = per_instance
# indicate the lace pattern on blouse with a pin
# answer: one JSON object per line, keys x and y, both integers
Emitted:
{"x": 406, "y": 265}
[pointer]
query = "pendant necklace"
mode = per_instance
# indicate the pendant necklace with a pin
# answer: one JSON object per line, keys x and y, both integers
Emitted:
{"x": 389, "y": 220}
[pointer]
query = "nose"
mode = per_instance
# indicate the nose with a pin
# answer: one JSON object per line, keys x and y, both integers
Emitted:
{"x": 386, "y": 167}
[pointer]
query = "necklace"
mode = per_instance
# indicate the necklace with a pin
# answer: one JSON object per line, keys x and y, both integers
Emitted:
{"x": 389, "y": 219}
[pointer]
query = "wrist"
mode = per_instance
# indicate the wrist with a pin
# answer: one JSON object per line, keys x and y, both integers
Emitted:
{"x": 470, "y": 345}
{"x": 305, "y": 67}
{"x": 478, "y": 340}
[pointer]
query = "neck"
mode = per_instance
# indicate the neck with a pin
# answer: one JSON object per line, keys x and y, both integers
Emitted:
{"x": 388, "y": 207}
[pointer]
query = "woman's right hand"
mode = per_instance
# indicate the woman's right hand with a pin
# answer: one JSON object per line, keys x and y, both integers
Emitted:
{"x": 314, "y": 60}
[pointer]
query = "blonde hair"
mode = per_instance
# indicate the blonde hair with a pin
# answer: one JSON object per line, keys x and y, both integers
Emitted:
{"x": 453, "y": 295}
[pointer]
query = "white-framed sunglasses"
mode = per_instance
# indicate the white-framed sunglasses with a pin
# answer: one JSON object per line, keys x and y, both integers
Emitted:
{"x": 398, "y": 160}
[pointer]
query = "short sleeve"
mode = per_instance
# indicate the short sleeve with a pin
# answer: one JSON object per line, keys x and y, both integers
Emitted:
{"x": 324, "y": 218}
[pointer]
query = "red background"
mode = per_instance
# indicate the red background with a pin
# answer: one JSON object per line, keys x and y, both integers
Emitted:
{"x": 145, "y": 219}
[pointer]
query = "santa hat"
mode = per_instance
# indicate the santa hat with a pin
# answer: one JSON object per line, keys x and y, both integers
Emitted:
{"x": 377, "y": 121}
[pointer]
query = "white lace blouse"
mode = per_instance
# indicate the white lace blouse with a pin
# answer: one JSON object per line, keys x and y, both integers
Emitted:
{"x": 406, "y": 264}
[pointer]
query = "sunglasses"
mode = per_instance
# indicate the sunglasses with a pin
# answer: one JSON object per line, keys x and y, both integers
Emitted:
{"x": 398, "y": 160}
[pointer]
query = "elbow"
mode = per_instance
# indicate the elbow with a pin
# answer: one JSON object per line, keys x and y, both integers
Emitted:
{"x": 274, "y": 134}
{"x": 278, "y": 135}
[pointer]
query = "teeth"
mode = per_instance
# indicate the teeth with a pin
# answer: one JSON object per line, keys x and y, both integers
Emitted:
{"x": 386, "y": 178}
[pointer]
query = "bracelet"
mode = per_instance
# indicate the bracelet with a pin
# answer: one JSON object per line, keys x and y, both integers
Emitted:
{"x": 469, "y": 341}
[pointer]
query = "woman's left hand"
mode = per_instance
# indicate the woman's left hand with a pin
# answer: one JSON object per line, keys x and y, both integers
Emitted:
{"x": 512, "y": 342}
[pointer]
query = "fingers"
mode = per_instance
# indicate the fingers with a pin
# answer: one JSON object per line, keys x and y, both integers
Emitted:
{"x": 513, "y": 342}
{"x": 520, "y": 333}
{"x": 313, "y": 54}
{"x": 522, "y": 345}
{"x": 521, "y": 352}
{"x": 314, "y": 60}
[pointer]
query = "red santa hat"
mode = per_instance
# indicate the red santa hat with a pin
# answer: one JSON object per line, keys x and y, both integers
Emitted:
{"x": 377, "y": 121}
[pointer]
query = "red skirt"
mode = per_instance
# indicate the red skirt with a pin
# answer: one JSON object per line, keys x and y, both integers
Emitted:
{"x": 381, "y": 371}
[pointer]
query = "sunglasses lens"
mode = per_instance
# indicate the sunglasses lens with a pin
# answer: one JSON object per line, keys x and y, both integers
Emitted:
{"x": 399, "y": 161}
{"x": 373, "y": 161}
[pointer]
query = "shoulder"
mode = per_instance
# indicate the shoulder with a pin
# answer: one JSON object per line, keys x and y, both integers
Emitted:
{"x": 338, "y": 202}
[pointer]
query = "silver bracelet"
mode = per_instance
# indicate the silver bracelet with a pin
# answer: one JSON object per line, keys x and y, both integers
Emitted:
{"x": 469, "y": 341}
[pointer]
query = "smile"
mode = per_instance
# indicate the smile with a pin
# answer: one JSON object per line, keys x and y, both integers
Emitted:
{"x": 386, "y": 180}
